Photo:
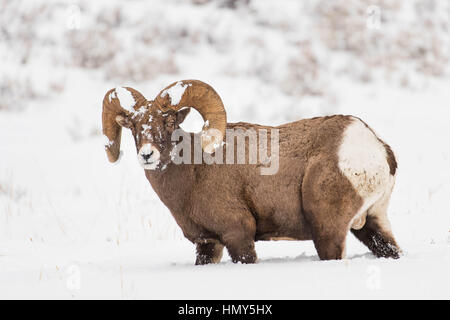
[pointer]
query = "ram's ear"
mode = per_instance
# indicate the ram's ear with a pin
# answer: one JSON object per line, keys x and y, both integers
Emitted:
{"x": 124, "y": 121}
{"x": 182, "y": 114}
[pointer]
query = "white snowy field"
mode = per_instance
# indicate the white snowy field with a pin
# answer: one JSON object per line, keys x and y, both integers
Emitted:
{"x": 74, "y": 226}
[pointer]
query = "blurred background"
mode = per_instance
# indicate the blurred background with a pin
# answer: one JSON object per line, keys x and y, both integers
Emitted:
{"x": 294, "y": 54}
{"x": 386, "y": 61}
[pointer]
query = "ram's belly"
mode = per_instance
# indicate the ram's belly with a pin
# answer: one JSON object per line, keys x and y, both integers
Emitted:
{"x": 282, "y": 224}
{"x": 363, "y": 160}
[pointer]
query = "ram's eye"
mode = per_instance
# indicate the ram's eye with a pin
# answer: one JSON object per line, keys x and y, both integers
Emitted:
{"x": 170, "y": 123}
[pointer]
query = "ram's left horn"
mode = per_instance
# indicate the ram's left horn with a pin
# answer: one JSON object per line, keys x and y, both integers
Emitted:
{"x": 119, "y": 101}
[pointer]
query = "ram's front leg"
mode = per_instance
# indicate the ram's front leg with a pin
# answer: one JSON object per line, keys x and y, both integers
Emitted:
{"x": 234, "y": 227}
{"x": 240, "y": 247}
{"x": 208, "y": 252}
{"x": 239, "y": 237}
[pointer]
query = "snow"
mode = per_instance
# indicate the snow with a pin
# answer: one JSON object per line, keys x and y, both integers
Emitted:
{"x": 72, "y": 226}
{"x": 193, "y": 121}
{"x": 139, "y": 112}
{"x": 106, "y": 141}
{"x": 125, "y": 98}
{"x": 175, "y": 92}
{"x": 145, "y": 130}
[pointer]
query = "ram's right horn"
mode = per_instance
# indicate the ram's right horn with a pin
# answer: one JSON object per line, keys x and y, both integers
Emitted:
{"x": 203, "y": 98}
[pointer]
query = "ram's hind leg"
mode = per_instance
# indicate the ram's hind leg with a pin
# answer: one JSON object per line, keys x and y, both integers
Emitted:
{"x": 330, "y": 245}
{"x": 329, "y": 204}
{"x": 209, "y": 252}
{"x": 376, "y": 233}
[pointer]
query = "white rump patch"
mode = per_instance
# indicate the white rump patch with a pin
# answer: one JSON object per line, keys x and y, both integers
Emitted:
{"x": 125, "y": 98}
{"x": 175, "y": 92}
{"x": 363, "y": 160}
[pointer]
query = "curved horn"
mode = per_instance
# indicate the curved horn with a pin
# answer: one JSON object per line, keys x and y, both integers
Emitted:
{"x": 202, "y": 97}
{"x": 118, "y": 101}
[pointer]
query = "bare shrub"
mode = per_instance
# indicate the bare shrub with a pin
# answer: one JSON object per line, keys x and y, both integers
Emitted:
{"x": 139, "y": 66}
{"x": 14, "y": 91}
{"x": 111, "y": 18}
{"x": 232, "y": 4}
{"x": 18, "y": 26}
{"x": 419, "y": 42}
{"x": 13, "y": 192}
{"x": 24, "y": 43}
{"x": 303, "y": 75}
{"x": 92, "y": 48}
{"x": 122, "y": 55}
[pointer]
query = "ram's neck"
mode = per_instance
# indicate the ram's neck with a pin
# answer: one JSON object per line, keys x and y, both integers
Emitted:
{"x": 173, "y": 185}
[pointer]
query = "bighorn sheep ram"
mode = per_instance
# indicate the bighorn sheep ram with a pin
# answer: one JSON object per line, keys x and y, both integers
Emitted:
{"x": 334, "y": 175}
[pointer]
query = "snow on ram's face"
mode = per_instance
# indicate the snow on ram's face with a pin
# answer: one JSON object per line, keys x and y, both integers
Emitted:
{"x": 175, "y": 92}
{"x": 106, "y": 141}
{"x": 148, "y": 156}
{"x": 125, "y": 98}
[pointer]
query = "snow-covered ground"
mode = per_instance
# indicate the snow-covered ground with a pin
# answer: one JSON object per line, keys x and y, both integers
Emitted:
{"x": 74, "y": 226}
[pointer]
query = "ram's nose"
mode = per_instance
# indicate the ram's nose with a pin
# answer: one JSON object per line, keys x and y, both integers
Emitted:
{"x": 148, "y": 156}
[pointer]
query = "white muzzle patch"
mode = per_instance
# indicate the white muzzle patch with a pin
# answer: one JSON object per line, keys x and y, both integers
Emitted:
{"x": 148, "y": 156}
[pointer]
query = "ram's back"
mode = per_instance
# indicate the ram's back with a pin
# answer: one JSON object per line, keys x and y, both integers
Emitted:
{"x": 304, "y": 138}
